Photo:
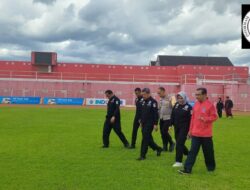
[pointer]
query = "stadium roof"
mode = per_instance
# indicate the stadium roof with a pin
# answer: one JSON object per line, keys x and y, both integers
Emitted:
{"x": 170, "y": 60}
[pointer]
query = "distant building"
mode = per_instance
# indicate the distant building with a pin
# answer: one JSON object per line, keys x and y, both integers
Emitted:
{"x": 152, "y": 63}
{"x": 172, "y": 60}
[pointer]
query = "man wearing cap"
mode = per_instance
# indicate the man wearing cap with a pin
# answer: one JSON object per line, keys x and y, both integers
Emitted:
{"x": 149, "y": 121}
{"x": 113, "y": 120}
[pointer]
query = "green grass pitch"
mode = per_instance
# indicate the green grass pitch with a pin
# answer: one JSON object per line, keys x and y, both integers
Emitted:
{"x": 59, "y": 149}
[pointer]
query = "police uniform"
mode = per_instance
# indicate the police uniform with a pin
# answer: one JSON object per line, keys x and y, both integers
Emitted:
{"x": 165, "y": 110}
{"x": 113, "y": 109}
{"x": 149, "y": 118}
{"x": 181, "y": 117}
{"x": 136, "y": 123}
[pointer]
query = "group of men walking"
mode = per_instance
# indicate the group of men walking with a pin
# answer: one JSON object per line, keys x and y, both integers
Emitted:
{"x": 228, "y": 107}
{"x": 188, "y": 122}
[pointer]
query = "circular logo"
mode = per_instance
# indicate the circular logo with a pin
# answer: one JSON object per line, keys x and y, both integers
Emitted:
{"x": 246, "y": 26}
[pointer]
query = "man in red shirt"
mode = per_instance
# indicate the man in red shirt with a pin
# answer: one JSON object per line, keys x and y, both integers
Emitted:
{"x": 204, "y": 114}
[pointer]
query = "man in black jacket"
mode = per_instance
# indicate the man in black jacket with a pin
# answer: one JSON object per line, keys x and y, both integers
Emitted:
{"x": 149, "y": 121}
{"x": 113, "y": 120}
{"x": 219, "y": 107}
{"x": 136, "y": 123}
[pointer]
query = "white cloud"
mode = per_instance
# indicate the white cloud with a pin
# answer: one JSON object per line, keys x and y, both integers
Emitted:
{"x": 231, "y": 49}
{"x": 122, "y": 32}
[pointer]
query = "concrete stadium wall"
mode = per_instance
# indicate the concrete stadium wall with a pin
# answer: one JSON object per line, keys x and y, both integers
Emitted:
{"x": 179, "y": 71}
{"x": 238, "y": 93}
{"x": 187, "y": 76}
{"x": 214, "y": 91}
{"x": 76, "y": 89}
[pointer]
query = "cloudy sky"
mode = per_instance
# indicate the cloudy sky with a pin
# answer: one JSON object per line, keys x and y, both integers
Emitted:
{"x": 121, "y": 31}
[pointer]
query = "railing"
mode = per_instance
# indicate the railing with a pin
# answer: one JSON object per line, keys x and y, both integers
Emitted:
{"x": 89, "y": 76}
{"x": 129, "y": 96}
{"x": 184, "y": 79}
{"x": 242, "y": 107}
{"x": 213, "y": 79}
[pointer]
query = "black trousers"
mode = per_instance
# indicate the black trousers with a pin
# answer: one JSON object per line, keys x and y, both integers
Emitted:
{"x": 147, "y": 140}
{"x": 219, "y": 111}
{"x": 181, "y": 137}
{"x": 208, "y": 152}
{"x": 136, "y": 126}
{"x": 165, "y": 136}
{"x": 108, "y": 126}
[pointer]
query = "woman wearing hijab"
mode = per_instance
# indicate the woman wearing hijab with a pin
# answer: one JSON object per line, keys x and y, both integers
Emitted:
{"x": 180, "y": 118}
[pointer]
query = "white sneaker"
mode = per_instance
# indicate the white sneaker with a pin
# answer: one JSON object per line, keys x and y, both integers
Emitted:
{"x": 177, "y": 164}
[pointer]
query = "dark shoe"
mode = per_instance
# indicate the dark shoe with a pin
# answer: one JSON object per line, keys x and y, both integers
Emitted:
{"x": 132, "y": 147}
{"x": 211, "y": 170}
{"x": 105, "y": 146}
{"x": 126, "y": 146}
{"x": 184, "y": 172}
{"x": 165, "y": 148}
{"x": 141, "y": 158}
{"x": 159, "y": 152}
{"x": 171, "y": 147}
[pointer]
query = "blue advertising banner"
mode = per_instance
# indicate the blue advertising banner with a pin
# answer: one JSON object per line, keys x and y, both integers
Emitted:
{"x": 63, "y": 101}
{"x": 19, "y": 100}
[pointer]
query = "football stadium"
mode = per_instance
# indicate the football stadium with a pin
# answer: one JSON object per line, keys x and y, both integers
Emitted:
{"x": 52, "y": 115}
{"x": 124, "y": 95}
{"x": 44, "y": 79}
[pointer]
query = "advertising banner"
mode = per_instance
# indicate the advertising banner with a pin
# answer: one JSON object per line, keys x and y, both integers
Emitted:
{"x": 19, "y": 100}
{"x": 100, "y": 102}
{"x": 63, "y": 101}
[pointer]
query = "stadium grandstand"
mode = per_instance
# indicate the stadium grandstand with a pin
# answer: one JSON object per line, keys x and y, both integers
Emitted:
{"x": 45, "y": 77}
